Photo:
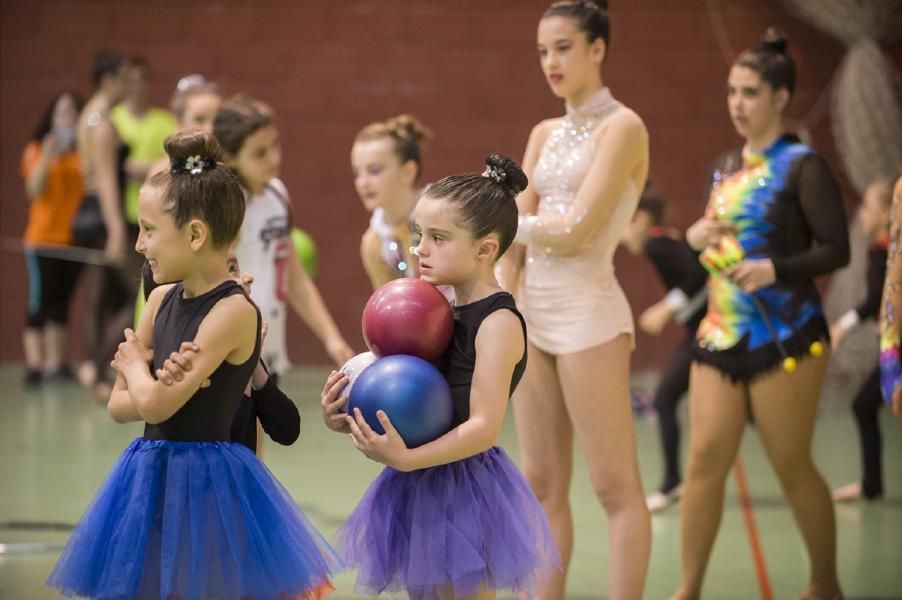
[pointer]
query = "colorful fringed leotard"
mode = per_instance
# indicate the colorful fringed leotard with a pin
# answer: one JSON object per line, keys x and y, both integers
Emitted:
{"x": 890, "y": 357}
{"x": 785, "y": 206}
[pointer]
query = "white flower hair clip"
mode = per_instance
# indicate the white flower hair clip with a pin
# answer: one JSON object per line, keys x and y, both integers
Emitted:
{"x": 495, "y": 174}
{"x": 193, "y": 164}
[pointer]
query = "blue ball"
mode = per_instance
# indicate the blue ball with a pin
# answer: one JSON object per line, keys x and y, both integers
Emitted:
{"x": 413, "y": 394}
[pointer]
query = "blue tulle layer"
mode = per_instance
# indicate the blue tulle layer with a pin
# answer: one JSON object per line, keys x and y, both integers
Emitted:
{"x": 193, "y": 520}
{"x": 457, "y": 527}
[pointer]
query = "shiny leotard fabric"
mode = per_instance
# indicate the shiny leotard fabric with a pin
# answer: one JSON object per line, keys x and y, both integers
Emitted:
{"x": 785, "y": 206}
{"x": 891, "y": 304}
{"x": 391, "y": 249}
{"x": 573, "y": 302}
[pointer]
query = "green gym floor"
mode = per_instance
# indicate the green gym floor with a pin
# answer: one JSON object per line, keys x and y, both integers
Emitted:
{"x": 56, "y": 446}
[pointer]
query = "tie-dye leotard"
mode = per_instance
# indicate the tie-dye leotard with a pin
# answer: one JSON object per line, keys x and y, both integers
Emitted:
{"x": 890, "y": 318}
{"x": 787, "y": 207}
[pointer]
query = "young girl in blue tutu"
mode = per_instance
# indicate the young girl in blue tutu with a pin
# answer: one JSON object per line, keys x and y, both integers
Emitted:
{"x": 454, "y": 518}
{"x": 185, "y": 513}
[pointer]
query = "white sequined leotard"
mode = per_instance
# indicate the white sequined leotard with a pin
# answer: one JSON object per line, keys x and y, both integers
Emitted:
{"x": 573, "y": 302}
{"x": 391, "y": 249}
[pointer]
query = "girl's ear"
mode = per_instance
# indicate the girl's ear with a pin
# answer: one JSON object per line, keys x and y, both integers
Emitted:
{"x": 488, "y": 250}
{"x": 781, "y": 96}
{"x": 598, "y": 51}
{"x": 198, "y": 234}
{"x": 409, "y": 172}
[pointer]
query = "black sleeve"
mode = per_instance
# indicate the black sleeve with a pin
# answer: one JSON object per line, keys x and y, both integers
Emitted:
{"x": 870, "y": 307}
{"x": 676, "y": 264}
{"x": 277, "y": 413}
{"x": 694, "y": 276}
{"x": 822, "y": 209}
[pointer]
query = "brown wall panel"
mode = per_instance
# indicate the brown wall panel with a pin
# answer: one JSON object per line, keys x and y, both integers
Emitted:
{"x": 467, "y": 68}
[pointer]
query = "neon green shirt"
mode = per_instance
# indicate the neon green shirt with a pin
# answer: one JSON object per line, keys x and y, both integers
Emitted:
{"x": 144, "y": 136}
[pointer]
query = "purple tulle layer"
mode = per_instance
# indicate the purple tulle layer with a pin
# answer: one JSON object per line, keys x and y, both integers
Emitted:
{"x": 457, "y": 527}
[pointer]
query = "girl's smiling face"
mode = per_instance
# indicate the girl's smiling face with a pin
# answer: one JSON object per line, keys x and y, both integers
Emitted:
{"x": 165, "y": 246}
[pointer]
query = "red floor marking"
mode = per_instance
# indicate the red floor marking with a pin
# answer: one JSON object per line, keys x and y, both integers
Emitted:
{"x": 748, "y": 516}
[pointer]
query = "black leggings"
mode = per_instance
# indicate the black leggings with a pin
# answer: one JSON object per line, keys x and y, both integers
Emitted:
{"x": 673, "y": 385}
{"x": 51, "y": 282}
{"x": 867, "y": 408}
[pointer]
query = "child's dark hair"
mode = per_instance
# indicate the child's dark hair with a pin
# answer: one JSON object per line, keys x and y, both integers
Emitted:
{"x": 106, "y": 62}
{"x": 653, "y": 204}
{"x": 770, "y": 60}
{"x": 137, "y": 61}
{"x": 405, "y": 131}
{"x": 46, "y": 123}
{"x": 487, "y": 201}
{"x": 238, "y": 118}
{"x": 198, "y": 186}
{"x": 591, "y": 17}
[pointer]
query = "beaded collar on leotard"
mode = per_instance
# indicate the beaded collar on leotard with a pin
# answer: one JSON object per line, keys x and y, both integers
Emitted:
{"x": 599, "y": 103}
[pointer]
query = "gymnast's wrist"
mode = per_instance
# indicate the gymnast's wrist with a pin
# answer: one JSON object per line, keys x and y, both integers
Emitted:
{"x": 849, "y": 319}
{"x": 676, "y": 300}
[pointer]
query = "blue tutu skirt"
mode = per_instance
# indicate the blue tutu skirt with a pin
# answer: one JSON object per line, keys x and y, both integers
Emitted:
{"x": 457, "y": 527}
{"x": 193, "y": 520}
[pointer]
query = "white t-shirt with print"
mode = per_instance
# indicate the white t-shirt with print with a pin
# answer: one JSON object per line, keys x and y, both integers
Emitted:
{"x": 263, "y": 251}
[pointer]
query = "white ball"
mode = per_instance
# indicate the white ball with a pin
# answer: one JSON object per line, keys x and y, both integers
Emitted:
{"x": 354, "y": 367}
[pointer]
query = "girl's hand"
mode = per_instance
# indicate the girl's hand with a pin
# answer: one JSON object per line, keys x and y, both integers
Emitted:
{"x": 388, "y": 449}
{"x": 179, "y": 363}
{"x": 131, "y": 352}
{"x": 332, "y": 403}
{"x": 707, "y": 231}
{"x": 339, "y": 351}
{"x": 752, "y": 274}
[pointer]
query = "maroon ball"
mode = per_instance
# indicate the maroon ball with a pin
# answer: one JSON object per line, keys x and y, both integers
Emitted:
{"x": 408, "y": 316}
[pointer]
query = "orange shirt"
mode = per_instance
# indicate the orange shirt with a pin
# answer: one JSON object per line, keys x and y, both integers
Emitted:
{"x": 51, "y": 213}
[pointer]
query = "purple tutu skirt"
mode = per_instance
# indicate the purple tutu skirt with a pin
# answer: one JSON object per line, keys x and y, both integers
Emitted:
{"x": 458, "y": 527}
{"x": 191, "y": 520}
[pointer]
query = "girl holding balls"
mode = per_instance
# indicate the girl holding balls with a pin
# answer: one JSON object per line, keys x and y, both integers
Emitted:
{"x": 454, "y": 518}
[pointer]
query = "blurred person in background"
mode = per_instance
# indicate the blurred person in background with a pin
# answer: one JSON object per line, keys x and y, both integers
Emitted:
{"x": 53, "y": 183}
